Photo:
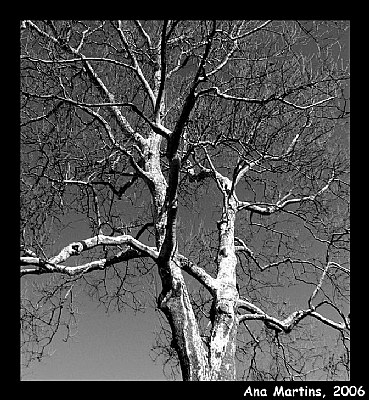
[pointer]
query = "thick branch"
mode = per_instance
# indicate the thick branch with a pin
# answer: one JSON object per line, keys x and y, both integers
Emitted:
{"x": 76, "y": 248}
{"x": 118, "y": 192}
{"x": 170, "y": 241}
{"x": 38, "y": 266}
{"x": 243, "y": 168}
{"x": 95, "y": 79}
{"x": 143, "y": 33}
{"x": 223, "y": 183}
{"x": 198, "y": 273}
{"x": 190, "y": 101}
{"x": 163, "y": 71}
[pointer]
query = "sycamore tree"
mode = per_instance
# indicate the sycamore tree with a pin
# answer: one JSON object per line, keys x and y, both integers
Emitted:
{"x": 207, "y": 162}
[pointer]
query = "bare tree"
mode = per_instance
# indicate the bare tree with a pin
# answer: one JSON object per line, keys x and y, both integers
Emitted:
{"x": 142, "y": 129}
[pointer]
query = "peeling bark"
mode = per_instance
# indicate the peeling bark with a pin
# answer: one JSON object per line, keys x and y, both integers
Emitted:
{"x": 225, "y": 324}
{"x": 174, "y": 301}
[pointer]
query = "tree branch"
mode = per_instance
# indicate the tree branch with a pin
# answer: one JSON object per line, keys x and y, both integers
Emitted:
{"x": 143, "y": 33}
{"x": 136, "y": 66}
{"x": 76, "y": 248}
{"x": 298, "y": 107}
{"x": 190, "y": 101}
{"x": 87, "y": 107}
{"x": 95, "y": 78}
{"x": 268, "y": 209}
{"x": 248, "y": 33}
{"x": 288, "y": 323}
{"x": 163, "y": 71}
{"x": 223, "y": 183}
{"x": 79, "y": 59}
{"x": 198, "y": 273}
{"x": 244, "y": 248}
{"x": 251, "y": 100}
{"x": 42, "y": 267}
{"x": 235, "y": 46}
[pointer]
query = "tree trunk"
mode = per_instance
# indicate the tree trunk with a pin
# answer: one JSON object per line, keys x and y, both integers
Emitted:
{"x": 174, "y": 301}
{"x": 225, "y": 325}
{"x": 198, "y": 361}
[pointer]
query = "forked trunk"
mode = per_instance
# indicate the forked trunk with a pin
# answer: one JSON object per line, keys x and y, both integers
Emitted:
{"x": 199, "y": 360}
{"x": 214, "y": 360}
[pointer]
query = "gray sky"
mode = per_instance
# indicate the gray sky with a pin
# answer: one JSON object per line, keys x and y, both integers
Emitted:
{"x": 115, "y": 347}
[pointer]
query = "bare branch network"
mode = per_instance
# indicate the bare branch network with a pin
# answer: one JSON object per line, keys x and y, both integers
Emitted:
{"x": 212, "y": 150}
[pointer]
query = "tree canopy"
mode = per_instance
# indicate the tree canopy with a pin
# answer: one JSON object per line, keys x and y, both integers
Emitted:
{"x": 207, "y": 163}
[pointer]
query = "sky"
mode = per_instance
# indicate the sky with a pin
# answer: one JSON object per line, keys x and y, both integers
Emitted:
{"x": 106, "y": 347}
